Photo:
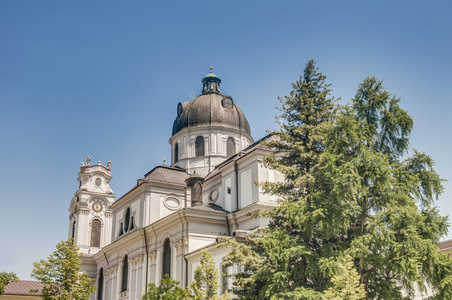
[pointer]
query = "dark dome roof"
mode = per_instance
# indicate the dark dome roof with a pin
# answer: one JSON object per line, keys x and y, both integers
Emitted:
{"x": 211, "y": 109}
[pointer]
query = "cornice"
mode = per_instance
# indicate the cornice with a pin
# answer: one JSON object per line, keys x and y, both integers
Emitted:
{"x": 160, "y": 227}
{"x": 209, "y": 128}
{"x": 141, "y": 189}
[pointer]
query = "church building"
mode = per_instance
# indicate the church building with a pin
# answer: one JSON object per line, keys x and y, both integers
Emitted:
{"x": 163, "y": 222}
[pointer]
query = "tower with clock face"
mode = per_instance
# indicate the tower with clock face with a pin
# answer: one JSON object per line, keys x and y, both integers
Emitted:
{"x": 90, "y": 220}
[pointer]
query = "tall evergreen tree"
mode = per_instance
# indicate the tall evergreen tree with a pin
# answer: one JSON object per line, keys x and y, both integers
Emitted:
{"x": 61, "y": 274}
{"x": 289, "y": 259}
{"x": 348, "y": 191}
{"x": 395, "y": 235}
{"x": 345, "y": 283}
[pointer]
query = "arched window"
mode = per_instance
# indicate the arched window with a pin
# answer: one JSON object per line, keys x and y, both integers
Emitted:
{"x": 166, "y": 259}
{"x": 95, "y": 233}
{"x": 176, "y": 153}
{"x": 73, "y": 230}
{"x": 230, "y": 147}
{"x": 199, "y": 146}
{"x": 125, "y": 273}
{"x": 100, "y": 284}
{"x": 127, "y": 220}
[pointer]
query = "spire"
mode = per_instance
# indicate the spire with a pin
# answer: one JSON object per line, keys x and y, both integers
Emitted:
{"x": 211, "y": 83}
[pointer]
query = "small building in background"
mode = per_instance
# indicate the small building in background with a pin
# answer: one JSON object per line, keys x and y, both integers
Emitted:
{"x": 22, "y": 290}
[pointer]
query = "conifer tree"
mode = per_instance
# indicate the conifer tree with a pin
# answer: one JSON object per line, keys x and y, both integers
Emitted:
{"x": 395, "y": 235}
{"x": 61, "y": 274}
{"x": 350, "y": 190}
{"x": 291, "y": 259}
{"x": 345, "y": 283}
{"x": 6, "y": 278}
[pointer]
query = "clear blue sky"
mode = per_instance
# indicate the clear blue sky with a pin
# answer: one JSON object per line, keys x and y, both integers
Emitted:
{"x": 104, "y": 78}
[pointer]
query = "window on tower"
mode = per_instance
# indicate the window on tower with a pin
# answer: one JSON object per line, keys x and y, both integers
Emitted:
{"x": 73, "y": 230}
{"x": 199, "y": 146}
{"x": 176, "y": 153}
{"x": 95, "y": 233}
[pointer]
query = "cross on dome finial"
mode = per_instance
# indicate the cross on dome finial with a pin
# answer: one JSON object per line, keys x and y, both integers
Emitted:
{"x": 210, "y": 68}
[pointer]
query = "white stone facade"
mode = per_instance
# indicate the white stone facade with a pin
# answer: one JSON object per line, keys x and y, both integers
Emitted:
{"x": 163, "y": 222}
{"x": 215, "y": 145}
{"x": 163, "y": 211}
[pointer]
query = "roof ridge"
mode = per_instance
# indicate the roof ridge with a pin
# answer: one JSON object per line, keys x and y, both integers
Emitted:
{"x": 175, "y": 168}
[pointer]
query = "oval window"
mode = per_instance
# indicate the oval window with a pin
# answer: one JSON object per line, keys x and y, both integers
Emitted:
{"x": 213, "y": 197}
{"x": 172, "y": 203}
{"x": 179, "y": 109}
{"x": 227, "y": 102}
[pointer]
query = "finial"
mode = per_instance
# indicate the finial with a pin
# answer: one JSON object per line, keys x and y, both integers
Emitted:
{"x": 210, "y": 67}
{"x": 164, "y": 159}
{"x": 99, "y": 163}
{"x": 280, "y": 124}
{"x": 109, "y": 165}
{"x": 88, "y": 161}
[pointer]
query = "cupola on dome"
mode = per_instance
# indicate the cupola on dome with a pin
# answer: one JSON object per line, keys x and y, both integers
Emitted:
{"x": 211, "y": 83}
{"x": 211, "y": 108}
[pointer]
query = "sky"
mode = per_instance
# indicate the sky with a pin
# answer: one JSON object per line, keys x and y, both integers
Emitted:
{"x": 103, "y": 78}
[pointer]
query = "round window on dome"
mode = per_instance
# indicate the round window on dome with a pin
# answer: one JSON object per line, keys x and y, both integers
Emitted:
{"x": 179, "y": 109}
{"x": 227, "y": 102}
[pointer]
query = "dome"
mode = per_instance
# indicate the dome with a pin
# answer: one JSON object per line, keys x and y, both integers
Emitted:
{"x": 211, "y": 108}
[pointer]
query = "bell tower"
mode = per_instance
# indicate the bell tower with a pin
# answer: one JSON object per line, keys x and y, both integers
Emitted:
{"x": 90, "y": 219}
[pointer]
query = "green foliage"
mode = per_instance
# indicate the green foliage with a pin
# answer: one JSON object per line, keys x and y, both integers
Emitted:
{"x": 350, "y": 190}
{"x": 61, "y": 274}
{"x": 6, "y": 278}
{"x": 205, "y": 283}
{"x": 203, "y": 287}
{"x": 167, "y": 290}
{"x": 283, "y": 261}
{"x": 345, "y": 282}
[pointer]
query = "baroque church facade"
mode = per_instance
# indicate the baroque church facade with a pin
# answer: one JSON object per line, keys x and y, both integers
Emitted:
{"x": 163, "y": 222}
